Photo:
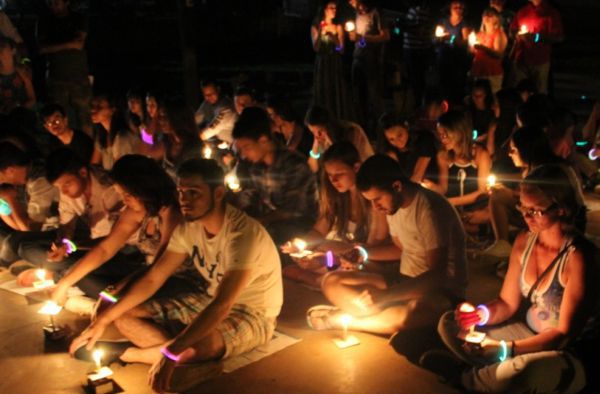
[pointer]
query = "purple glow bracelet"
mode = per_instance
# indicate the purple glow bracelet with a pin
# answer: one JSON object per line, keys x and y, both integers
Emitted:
{"x": 108, "y": 297}
{"x": 173, "y": 357}
{"x": 486, "y": 314}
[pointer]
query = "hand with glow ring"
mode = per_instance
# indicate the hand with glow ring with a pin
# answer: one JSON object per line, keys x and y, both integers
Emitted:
{"x": 469, "y": 318}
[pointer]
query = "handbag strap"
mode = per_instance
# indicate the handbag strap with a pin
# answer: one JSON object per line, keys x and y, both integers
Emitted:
{"x": 548, "y": 269}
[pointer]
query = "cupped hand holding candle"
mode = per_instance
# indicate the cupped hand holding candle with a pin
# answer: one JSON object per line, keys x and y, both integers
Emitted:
{"x": 207, "y": 152}
{"x": 467, "y": 316}
{"x": 491, "y": 180}
{"x": 440, "y": 32}
{"x": 473, "y": 39}
{"x": 350, "y": 26}
{"x": 233, "y": 183}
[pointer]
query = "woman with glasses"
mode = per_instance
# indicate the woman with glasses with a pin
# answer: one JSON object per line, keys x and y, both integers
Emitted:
{"x": 552, "y": 276}
{"x": 329, "y": 85}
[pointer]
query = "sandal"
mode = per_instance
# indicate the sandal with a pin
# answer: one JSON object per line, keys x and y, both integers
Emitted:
{"x": 321, "y": 317}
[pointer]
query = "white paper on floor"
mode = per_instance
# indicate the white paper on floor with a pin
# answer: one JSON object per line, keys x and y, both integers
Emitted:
{"x": 278, "y": 342}
{"x": 12, "y": 286}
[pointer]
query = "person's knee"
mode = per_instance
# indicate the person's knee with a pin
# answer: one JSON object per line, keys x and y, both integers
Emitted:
{"x": 330, "y": 282}
{"x": 211, "y": 348}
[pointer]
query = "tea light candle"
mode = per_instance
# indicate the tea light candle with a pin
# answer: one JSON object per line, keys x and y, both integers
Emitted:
{"x": 439, "y": 31}
{"x": 42, "y": 282}
{"x": 350, "y": 26}
{"x": 473, "y": 39}
{"x": 300, "y": 246}
{"x": 233, "y": 183}
{"x": 475, "y": 337}
{"x": 491, "y": 180}
{"x": 207, "y": 152}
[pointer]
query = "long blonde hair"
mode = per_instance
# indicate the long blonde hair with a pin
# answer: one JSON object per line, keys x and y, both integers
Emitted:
{"x": 460, "y": 129}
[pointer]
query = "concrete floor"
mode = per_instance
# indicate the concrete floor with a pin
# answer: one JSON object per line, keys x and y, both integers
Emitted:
{"x": 314, "y": 365}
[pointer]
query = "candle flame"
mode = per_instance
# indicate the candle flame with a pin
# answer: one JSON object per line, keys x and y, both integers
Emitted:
{"x": 439, "y": 31}
{"x": 233, "y": 182}
{"x": 473, "y": 39}
{"x": 345, "y": 319}
{"x": 97, "y": 356}
{"x": 524, "y": 29}
{"x": 223, "y": 145}
{"x": 50, "y": 308}
{"x": 40, "y": 274}
{"x": 466, "y": 307}
{"x": 491, "y": 180}
{"x": 207, "y": 152}
{"x": 329, "y": 259}
{"x": 299, "y": 244}
{"x": 349, "y": 26}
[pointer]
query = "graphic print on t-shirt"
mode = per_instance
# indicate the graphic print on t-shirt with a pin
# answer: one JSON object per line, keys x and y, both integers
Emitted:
{"x": 208, "y": 270}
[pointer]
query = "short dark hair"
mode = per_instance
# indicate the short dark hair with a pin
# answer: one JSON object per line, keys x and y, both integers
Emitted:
{"x": 253, "y": 123}
{"x": 380, "y": 171}
{"x": 283, "y": 108}
{"x": 50, "y": 108}
{"x": 209, "y": 170}
{"x": 146, "y": 180}
{"x": 63, "y": 161}
{"x": 11, "y": 155}
{"x": 244, "y": 90}
{"x": 318, "y": 116}
{"x": 209, "y": 82}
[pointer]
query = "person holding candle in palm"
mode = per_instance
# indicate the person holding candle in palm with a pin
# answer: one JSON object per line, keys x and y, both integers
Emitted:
{"x": 345, "y": 216}
{"x": 536, "y": 27}
{"x": 553, "y": 272}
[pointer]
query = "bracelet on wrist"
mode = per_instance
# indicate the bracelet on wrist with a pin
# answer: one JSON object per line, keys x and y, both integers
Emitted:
{"x": 503, "y": 354}
{"x": 314, "y": 155}
{"x": 364, "y": 254}
{"x": 70, "y": 245}
{"x": 485, "y": 312}
{"x": 105, "y": 295}
{"x": 171, "y": 356}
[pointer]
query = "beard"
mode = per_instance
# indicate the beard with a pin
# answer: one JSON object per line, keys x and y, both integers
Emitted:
{"x": 189, "y": 217}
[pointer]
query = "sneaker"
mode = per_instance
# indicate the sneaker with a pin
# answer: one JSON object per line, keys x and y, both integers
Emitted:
{"x": 187, "y": 376}
{"x": 444, "y": 364}
{"x": 113, "y": 350}
{"x": 500, "y": 249}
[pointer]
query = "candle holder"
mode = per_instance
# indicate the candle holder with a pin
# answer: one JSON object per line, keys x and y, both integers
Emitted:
{"x": 52, "y": 331}
{"x": 100, "y": 380}
{"x": 346, "y": 340}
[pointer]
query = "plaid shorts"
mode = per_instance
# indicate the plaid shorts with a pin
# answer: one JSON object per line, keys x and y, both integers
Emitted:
{"x": 244, "y": 329}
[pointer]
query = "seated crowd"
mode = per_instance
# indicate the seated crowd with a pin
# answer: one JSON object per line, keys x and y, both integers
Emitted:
{"x": 186, "y": 223}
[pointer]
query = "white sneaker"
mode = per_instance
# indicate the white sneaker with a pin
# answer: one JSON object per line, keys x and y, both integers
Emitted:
{"x": 500, "y": 249}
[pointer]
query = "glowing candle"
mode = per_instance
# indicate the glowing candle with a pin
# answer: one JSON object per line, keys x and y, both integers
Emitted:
{"x": 42, "y": 282}
{"x": 50, "y": 308}
{"x": 207, "y": 152}
{"x": 523, "y": 29}
{"x": 465, "y": 307}
{"x": 299, "y": 244}
{"x": 345, "y": 320}
{"x": 5, "y": 208}
{"x": 439, "y": 31}
{"x": 223, "y": 145}
{"x": 350, "y": 26}
{"x": 491, "y": 180}
{"x": 232, "y": 182}
{"x": 97, "y": 356}
{"x": 473, "y": 39}
{"x": 475, "y": 337}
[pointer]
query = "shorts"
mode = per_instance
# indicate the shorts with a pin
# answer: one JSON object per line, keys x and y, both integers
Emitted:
{"x": 243, "y": 329}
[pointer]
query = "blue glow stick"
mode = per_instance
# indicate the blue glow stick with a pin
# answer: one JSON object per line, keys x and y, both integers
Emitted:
{"x": 581, "y": 143}
{"x": 475, "y": 134}
{"x": 5, "y": 208}
{"x": 503, "y": 351}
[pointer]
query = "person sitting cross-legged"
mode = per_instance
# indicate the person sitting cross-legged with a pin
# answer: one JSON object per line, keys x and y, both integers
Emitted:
{"x": 234, "y": 313}
{"x": 429, "y": 241}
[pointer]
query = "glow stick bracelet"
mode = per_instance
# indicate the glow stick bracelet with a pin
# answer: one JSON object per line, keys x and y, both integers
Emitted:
{"x": 108, "y": 297}
{"x": 71, "y": 247}
{"x": 503, "y": 351}
{"x": 171, "y": 356}
{"x": 486, "y": 314}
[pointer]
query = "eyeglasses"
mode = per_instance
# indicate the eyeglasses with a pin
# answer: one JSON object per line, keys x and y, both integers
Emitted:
{"x": 535, "y": 213}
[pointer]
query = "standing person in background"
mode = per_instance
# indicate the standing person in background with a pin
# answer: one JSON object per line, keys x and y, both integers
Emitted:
{"x": 536, "y": 27}
{"x": 16, "y": 89}
{"x": 329, "y": 86}
{"x": 452, "y": 55}
{"x": 489, "y": 50}
{"x": 61, "y": 38}
{"x": 417, "y": 46}
{"x": 367, "y": 64}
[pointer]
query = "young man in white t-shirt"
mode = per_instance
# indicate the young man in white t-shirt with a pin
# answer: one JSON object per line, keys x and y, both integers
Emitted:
{"x": 235, "y": 312}
{"x": 427, "y": 238}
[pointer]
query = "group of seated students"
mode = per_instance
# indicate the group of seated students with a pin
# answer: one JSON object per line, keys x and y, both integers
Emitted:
{"x": 191, "y": 269}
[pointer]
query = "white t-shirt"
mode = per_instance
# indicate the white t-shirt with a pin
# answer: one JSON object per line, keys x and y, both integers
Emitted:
{"x": 242, "y": 244}
{"x": 430, "y": 222}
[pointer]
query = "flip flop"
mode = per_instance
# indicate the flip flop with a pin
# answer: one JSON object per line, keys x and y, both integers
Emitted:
{"x": 319, "y": 317}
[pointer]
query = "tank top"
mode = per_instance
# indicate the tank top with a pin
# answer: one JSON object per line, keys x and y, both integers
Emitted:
{"x": 462, "y": 179}
{"x": 146, "y": 243}
{"x": 544, "y": 312}
{"x": 485, "y": 65}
